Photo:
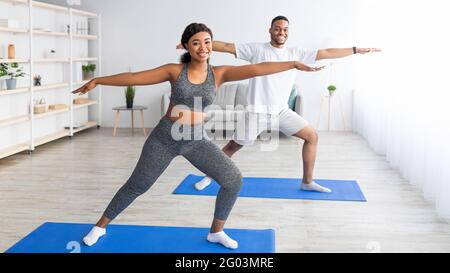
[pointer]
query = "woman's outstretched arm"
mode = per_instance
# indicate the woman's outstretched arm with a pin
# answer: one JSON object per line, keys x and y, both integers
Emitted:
{"x": 147, "y": 77}
{"x": 237, "y": 73}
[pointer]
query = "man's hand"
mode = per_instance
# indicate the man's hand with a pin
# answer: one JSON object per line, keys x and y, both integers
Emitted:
{"x": 367, "y": 50}
{"x": 86, "y": 88}
{"x": 303, "y": 67}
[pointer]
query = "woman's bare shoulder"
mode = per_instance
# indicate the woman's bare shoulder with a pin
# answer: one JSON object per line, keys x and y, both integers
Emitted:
{"x": 174, "y": 70}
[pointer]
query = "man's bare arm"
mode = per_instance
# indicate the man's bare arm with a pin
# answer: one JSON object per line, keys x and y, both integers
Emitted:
{"x": 334, "y": 53}
{"x": 220, "y": 46}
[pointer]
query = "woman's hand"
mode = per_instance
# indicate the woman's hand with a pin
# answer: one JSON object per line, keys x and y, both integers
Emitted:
{"x": 303, "y": 67}
{"x": 86, "y": 88}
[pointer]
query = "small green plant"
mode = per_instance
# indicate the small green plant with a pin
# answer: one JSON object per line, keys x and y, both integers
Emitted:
{"x": 130, "y": 91}
{"x": 3, "y": 72}
{"x": 88, "y": 71}
{"x": 89, "y": 67}
{"x": 331, "y": 89}
{"x": 11, "y": 71}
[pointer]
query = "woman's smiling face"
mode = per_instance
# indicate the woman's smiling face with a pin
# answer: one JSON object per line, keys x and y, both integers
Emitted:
{"x": 200, "y": 46}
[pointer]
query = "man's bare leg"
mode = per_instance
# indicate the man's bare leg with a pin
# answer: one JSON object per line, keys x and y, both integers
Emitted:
{"x": 309, "y": 152}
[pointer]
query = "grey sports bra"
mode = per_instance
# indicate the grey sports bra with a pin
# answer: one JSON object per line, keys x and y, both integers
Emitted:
{"x": 194, "y": 96}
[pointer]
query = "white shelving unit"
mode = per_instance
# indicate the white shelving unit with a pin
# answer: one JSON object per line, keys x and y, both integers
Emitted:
{"x": 24, "y": 2}
{"x": 14, "y": 120}
{"x": 51, "y": 60}
{"x": 13, "y": 30}
{"x": 50, "y": 86}
{"x": 10, "y": 61}
{"x": 70, "y": 41}
{"x": 75, "y": 83}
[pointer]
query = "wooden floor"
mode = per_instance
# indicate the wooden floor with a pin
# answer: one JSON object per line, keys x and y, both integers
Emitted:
{"x": 72, "y": 180}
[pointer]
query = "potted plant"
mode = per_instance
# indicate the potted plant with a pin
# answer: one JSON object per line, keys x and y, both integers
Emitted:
{"x": 88, "y": 71}
{"x": 2, "y": 74}
{"x": 331, "y": 89}
{"x": 129, "y": 95}
{"x": 12, "y": 72}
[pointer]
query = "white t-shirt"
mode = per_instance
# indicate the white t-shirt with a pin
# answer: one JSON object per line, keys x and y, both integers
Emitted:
{"x": 270, "y": 94}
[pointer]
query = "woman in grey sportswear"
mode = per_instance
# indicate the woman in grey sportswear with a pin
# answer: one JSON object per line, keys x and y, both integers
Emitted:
{"x": 194, "y": 83}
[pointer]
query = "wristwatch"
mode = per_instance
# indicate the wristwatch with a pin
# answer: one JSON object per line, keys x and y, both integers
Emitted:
{"x": 354, "y": 49}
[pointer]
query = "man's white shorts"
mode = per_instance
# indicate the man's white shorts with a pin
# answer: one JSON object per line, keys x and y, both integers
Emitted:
{"x": 250, "y": 126}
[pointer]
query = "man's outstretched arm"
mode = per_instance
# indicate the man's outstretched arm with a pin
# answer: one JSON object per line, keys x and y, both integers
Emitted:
{"x": 333, "y": 53}
{"x": 219, "y": 46}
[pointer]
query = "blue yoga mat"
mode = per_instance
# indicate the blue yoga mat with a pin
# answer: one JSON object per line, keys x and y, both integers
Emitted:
{"x": 67, "y": 238}
{"x": 284, "y": 188}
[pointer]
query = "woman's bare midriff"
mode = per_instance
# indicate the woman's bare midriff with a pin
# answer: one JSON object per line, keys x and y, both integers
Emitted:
{"x": 184, "y": 116}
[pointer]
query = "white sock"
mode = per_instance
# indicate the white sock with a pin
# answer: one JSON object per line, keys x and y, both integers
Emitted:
{"x": 313, "y": 186}
{"x": 222, "y": 238}
{"x": 203, "y": 183}
{"x": 94, "y": 235}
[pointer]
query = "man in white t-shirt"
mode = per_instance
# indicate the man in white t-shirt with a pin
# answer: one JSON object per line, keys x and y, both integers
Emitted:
{"x": 267, "y": 96}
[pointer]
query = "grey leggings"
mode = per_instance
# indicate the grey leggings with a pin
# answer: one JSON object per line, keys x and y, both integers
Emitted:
{"x": 159, "y": 150}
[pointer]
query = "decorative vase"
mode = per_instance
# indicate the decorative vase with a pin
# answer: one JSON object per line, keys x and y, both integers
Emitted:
{"x": 129, "y": 103}
{"x": 11, "y": 84}
{"x": 37, "y": 82}
{"x": 88, "y": 75}
{"x": 11, "y": 51}
{"x": 331, "y": 92}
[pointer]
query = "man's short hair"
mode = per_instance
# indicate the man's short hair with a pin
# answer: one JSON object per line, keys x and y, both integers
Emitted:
{"x": 280, "y": 17}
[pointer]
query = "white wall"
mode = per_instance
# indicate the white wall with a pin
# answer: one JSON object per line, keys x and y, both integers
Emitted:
{"x": 140, "y": 34}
